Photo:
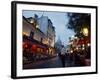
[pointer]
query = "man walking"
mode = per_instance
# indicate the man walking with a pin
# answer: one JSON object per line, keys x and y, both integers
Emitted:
{"x": 63, "y": 51}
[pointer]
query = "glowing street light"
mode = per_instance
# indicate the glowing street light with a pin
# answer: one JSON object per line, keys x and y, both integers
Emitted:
{"x": 37, "y": 26}
{"x": 88, "y": 44}
{"x": 83, "y": 48}
{"x": 85, "y": 31}
{"x": 71, "y": 51}
{"x": 83, "y": 45}
{"x": 76, "y": 48}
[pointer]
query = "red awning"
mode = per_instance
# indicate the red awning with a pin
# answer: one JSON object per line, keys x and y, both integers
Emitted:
{"x": 84, "y": 41}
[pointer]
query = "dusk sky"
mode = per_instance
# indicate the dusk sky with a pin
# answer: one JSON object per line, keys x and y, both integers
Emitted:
{"x": 59, "y": 20}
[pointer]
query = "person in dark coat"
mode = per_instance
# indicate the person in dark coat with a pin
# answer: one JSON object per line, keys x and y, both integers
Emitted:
{"x": 63, "y": 51}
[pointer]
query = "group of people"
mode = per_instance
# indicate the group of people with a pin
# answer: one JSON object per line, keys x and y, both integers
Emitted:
{"x": 75, "y": 58}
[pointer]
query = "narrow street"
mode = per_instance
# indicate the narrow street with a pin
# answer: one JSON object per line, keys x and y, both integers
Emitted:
{"x": 50, "y": 63}
{"x": 54, "y": 62}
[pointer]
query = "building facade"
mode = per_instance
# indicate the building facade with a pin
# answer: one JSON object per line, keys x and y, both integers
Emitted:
{"x": 30, "y": 29}
{"x": 46, "y": 26}
{"x": 42, "y": 30}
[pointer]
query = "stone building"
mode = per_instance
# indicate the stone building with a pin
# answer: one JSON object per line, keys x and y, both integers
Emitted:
{"x": 40, "y": 29}
{"x": 29, "y": 29}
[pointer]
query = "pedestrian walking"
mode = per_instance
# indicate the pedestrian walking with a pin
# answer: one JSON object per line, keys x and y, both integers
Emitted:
{"x": 63, "y": 52}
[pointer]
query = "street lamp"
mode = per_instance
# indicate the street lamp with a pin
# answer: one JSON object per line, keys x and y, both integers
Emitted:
{"x": 88, "y": 44}
{"x": 85, "y": 31}
{"x": 76, "y": 48}
{"x": 71, "y": 51}
{"x": 83, "y": 48}
{"x": 37, "y": 26}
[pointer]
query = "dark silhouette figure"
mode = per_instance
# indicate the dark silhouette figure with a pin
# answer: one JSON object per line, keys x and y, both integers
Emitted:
{"x": 62, "y": 56}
